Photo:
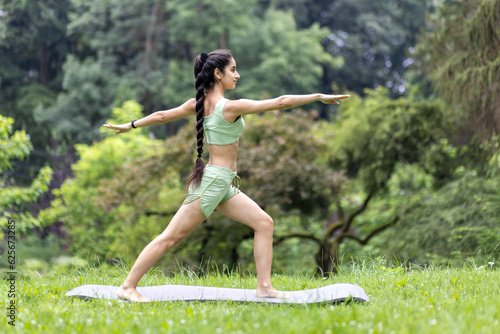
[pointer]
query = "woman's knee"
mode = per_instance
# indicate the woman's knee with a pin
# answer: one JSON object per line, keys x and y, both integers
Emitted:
{"x": 168, "y": 240}
{"x": 266, "y": 223}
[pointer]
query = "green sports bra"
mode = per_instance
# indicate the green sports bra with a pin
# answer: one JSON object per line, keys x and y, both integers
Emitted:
{"x": 218, "y": 130}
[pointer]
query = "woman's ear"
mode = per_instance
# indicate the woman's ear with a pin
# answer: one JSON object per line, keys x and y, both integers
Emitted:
{"x": 217, "y": 74}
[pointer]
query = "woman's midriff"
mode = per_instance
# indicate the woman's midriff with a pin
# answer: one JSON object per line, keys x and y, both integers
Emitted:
{"x": 224, "y": 155}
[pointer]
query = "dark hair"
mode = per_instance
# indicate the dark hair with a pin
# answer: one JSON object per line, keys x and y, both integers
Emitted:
{"x": 204, "y": 67}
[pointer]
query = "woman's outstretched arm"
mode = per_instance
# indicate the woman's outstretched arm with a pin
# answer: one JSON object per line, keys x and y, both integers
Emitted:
{"x": 243, "y": 106}
{"x": 159, "y": 117}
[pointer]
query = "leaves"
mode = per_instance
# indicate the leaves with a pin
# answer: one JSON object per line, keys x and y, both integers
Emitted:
{"x": 460, "y": 54}
{"x": 278, "y": 164}
{"x": 373, "y": 134}
{"x": 15, "y": 201}
{"x": 12, "y": 147}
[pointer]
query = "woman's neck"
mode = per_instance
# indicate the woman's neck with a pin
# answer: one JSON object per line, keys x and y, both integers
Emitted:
{"x": 217, "y": 91}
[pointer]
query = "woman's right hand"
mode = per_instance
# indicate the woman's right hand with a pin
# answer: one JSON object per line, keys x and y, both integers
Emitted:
{"x": 332, "y": 99}
{"x": 122, "y": 128}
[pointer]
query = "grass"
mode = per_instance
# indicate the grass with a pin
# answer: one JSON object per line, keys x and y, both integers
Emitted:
{"x": 414, "y": 300}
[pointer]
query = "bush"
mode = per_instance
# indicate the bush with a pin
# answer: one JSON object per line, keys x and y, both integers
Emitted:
{"x": 457, "y": 222}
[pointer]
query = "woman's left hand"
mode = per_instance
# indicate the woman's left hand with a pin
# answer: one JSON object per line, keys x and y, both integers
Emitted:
{"x": 332, "y": 99}
{"x": 122, "y": 128}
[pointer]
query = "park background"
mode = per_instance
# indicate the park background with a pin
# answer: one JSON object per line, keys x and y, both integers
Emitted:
{"x": 404, "y": 173}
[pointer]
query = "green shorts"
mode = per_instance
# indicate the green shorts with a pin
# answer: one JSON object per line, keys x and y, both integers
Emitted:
{"x": 217, "y": 186}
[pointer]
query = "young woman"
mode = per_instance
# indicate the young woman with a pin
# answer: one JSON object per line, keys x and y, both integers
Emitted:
{"x": 216, "y": 185}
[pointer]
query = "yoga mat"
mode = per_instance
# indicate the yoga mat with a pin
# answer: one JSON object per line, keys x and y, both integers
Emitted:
{"x": 335, "y": 293}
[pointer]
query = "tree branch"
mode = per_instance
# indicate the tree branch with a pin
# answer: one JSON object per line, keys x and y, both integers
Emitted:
{"x": 332, "y": 228}
{"x": 371, "y": 235}
{"x": 340, "y": 211}
{"x": 158, "y": 213}
{"x": 359, "y": 210}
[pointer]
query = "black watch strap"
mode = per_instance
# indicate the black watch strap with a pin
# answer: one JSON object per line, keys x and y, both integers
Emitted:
{"x": 132, "y": 123}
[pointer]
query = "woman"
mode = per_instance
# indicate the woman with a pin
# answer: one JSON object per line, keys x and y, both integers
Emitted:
{"x": 216, "y": 185}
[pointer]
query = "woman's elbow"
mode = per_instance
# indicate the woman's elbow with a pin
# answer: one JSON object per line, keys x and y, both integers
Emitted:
{"x": 161, "y": 117}
{"x": 284, "y": 102}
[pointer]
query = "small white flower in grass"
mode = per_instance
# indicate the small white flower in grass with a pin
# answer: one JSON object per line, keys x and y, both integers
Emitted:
{"x": 491, "y": 264}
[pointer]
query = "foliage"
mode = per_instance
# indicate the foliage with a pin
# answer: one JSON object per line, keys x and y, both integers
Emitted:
{"x": 67, "y": 63}
{"x": 76, "y": 203}
{"x": 375, "y": 38}
{"x": 83, "y": 105}
{"x": 371, "y": 137}
{"x": 374, "y": 133}
{"x": 122, "y": 53}
{"x": 33, "y": 46}
{"x": 433, "y": 300}
{"x": 15, "y": 201}
{"x": 277, "y": 167}
{"x": 273, "y": 56}
{"x": 278, "y": 158}
{"x": 461, "y": 55}
{"x": 203, "y": 25}
{"x": 458, "y": 221}
{"x": 129, "y": 39}
{"x": 276, "y": 58}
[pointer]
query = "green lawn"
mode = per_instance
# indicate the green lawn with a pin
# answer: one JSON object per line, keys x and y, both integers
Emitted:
{"x": 415, "y": 300}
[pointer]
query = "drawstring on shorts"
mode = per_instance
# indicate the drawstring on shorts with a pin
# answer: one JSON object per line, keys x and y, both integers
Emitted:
{"x": 236, "y": 182}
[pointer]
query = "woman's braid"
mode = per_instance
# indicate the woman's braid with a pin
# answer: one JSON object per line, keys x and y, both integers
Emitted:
{"x": 204, "y": 68}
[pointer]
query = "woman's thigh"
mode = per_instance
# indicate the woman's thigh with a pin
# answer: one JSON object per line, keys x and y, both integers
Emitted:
{"x": 244, "y": 210}
{"x": 185, "y": 220}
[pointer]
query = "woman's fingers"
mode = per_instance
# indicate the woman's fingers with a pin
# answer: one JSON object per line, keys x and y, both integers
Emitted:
{"x": 120, "y": 128}
{"x": 332, "y": 99}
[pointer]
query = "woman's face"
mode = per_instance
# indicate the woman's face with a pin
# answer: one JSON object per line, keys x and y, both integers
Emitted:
{"x": 230, "y": 76}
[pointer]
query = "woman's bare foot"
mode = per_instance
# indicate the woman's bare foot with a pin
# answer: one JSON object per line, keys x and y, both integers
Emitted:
{"x": 131, "y": 294}
{"x": 271, "y": 293}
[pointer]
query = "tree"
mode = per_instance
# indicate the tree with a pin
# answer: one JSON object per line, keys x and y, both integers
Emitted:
{"x": 144, "y": 50}
{"x": 287, "y": 182}
{"x": 375, "y": 38}
{"x": 33, "y": 47}
{"x": 16, "y": 202}
{"x": 367, "y": 142}
{"x": 275, "y": 57}
{"x": 88, "y": 92}
{"x": 461, "y": 55}
{"x": 456, "y": 222}
{"x": 92, "y": 229}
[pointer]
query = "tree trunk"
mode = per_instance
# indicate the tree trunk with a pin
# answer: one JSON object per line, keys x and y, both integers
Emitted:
{"x": 235, "y": 257}
{"x": 44, "y": 64}
{"x": 327, "y": 258}
{"x": 223, "y": 41}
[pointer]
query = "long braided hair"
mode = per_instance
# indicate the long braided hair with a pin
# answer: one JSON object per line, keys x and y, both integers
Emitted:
{"x": 204, "y": 68}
